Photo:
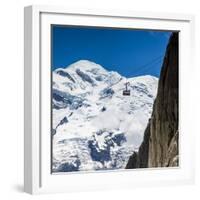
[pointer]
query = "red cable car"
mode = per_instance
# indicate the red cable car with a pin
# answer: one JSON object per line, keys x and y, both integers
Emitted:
{"x": 126, "y": 92}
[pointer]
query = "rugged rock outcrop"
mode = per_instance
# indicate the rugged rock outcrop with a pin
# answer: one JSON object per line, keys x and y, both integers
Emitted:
{"x": 160, "y": 144}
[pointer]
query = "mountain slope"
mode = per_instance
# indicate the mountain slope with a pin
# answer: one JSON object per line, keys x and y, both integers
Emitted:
{"x": 160, "y": 145}
{"x": 92, "y": 121}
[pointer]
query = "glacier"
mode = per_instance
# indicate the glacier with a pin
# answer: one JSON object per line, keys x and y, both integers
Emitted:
{"x": 95, "y": 127}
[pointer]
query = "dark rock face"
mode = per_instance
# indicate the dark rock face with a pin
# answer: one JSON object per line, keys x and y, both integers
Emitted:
{"x": 110, "y": 140}
{"x": 65, "y": 74}
{"x": 69, "y": 167}
{"x": 85, "y": 77}
{"x": 64, "y": 99}
{"x": 107, "y": 92}
{"x": 160, "y": 144}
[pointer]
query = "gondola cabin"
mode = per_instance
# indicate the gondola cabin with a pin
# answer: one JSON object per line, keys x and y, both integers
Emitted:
{"x": 126, "y": 92}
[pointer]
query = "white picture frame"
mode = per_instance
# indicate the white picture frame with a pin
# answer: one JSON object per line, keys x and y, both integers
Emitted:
{"x": 37, "y": 175}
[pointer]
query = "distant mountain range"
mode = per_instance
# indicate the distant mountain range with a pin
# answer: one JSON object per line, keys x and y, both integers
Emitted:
{"x": 94, "y": 126}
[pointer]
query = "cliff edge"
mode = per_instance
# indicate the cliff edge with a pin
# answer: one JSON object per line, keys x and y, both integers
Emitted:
{"x": 160, "y": 143}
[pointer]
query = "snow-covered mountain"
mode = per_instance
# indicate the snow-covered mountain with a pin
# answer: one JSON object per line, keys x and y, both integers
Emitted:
{"x": 94, "y": 126}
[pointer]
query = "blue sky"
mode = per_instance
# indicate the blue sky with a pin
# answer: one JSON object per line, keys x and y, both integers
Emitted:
{"x": 129, "y": 52}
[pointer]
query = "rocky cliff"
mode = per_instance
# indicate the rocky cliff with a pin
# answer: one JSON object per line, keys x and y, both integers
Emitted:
{"x": 160, "y": 144}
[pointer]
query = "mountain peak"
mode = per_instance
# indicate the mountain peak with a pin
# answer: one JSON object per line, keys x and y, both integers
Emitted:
{"x": 86, "y": 65}
{"x": 83, "y": 62}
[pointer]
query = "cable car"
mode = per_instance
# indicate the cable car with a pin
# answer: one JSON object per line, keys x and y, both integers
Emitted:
{"x": 126, "y": 92}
